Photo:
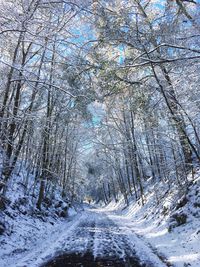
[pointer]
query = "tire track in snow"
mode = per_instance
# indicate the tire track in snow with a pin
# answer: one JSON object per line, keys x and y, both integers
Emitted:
{"x": 110, "y": 242}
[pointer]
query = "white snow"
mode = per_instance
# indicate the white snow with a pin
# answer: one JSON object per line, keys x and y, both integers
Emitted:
{"x": 181, "y": 246}
{"x": 32, "y": 241}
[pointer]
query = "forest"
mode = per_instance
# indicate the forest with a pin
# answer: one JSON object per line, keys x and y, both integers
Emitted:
{"x": 100, "y": 104}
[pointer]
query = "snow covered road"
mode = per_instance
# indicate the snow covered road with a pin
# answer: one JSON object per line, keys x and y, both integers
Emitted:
{"x": 98, "y": 236}
{"x": 99, "y": 241}
{"x": 92, "y": 238}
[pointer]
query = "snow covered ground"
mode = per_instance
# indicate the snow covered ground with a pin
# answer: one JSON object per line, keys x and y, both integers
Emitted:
{"x": 90, "y": 231}
{"x": 104, "y": 232}
{"x": 140, "y": 232}
{"x": 178, "y": 247}
{"x": 30, "y": 237}
{"x": 29, "y": 231}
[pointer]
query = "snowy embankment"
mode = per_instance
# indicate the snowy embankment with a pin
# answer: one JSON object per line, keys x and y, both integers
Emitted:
{"x": 31, "y": 238}
{"x": 168, "y": 223}
{"x": 25, "y": 230}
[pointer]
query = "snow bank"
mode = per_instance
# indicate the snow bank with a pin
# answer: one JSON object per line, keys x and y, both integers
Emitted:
{"x": 23, "y": 227}
{"x": 169, "y": 222}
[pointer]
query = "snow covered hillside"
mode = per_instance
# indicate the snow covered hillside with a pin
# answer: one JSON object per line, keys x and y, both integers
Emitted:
{"x": 169, "y": 222}
{"x": 23, "y": 227}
